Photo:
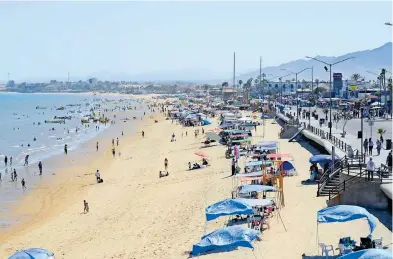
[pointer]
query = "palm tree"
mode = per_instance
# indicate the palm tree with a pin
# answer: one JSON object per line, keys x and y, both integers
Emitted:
{"x": 240, "y": 83}
{"x": 381, "y": 132}
{"x": 224, "y": 84}
{"x": 390, "y": 85}
{"x": 355, "y": 77}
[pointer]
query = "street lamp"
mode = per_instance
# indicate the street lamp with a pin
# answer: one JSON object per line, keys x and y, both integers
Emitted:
{"x": 330, "y": 87}
{"x": 297, "y": 101}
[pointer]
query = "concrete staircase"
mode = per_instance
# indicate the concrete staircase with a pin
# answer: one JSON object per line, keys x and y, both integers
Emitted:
{"x": 330, "y": 184}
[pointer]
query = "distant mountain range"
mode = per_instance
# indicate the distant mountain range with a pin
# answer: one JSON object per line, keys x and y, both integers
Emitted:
{"x": 366, "y": 60}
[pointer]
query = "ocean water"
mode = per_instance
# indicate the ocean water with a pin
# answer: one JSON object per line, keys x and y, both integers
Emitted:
{"x": 23, "y": 119}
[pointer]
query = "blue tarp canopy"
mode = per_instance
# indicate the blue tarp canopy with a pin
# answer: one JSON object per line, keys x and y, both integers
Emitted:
{"x": 206, "y": 122}
{"x": 256, "y": 188}
{"x": 267, "y": 145}
{"x": 344, "y": 213}
{"x": 226, "y": 208}
{"x": 32, "y": 253}
{"x": 254, "y": 163}
{"x": 321, "y": 159}
{"x": 227, "y": 238}
{"x": 369, "y": 254}
{"x": 257, "y": 202}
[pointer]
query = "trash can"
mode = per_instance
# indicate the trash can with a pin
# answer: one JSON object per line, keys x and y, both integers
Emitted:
{"x": 360, "y": 133}
{"x": 388, "y": 144}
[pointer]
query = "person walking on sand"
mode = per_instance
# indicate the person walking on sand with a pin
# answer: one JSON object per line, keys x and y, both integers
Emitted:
{"x": 113, "y": 152}
{"x": 370, "y": 147}
{"x": 233, "y": 166}
{"x": 166, "y": 164}
{"x": 15, "y": 176}
{"x": 365, "y": 146}
{"x": 98, "y": 176}
{"x": 10, "y": 161}
{"x": 370, "y": 169}
{"x": 117, "y": 141}
{"x": 5, "y": 161}
{"x": 379, "y": 147}
{"x": 23, "y": 183}
{"x": 143, "y": 134}
{"x": 389, "y": 161}
{"x": 40, "y": 167}
{"x": 97, "y": 146}
{"x": 113, "y": 142}
{"x": 122, "y": 133}
{"x": 65, "y": 149}
{"x": 85, "y": 206}
{"x": 26, "y": 160}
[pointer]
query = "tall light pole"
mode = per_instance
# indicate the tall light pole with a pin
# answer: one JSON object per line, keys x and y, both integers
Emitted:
{"x": 282, "y": 78}
{"x": 330, "y": 87}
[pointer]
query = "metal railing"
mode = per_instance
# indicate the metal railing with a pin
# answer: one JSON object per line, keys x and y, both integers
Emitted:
{"x": 337, "y": 142}
{"x": 382, "y": 175}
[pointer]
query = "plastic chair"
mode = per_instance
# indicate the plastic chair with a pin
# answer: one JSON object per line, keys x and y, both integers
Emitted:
{"x": 326, "y": 249}
{"x": 378, "y": 243}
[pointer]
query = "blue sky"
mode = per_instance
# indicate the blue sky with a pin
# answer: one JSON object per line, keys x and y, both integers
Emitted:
{"x": 49, "y": 39}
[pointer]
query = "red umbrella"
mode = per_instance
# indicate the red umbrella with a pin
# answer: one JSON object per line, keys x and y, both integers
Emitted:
{"x": 201, "y": 154}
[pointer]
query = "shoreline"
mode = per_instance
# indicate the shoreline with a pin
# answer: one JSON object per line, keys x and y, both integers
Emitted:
{"x": 58, "y": 167}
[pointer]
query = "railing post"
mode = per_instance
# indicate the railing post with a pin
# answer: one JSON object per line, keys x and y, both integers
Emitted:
{"x": 344, "y": 185}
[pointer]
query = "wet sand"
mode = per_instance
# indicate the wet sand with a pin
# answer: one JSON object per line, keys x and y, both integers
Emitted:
{"x": 136, "y": 214}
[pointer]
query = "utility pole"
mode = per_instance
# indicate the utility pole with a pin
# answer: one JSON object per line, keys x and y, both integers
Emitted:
{"x": 260, "y": 74}
{"x": 234, "y": 70}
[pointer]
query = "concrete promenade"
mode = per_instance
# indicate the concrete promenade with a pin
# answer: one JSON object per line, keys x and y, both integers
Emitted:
{"x": 350, "y": 138}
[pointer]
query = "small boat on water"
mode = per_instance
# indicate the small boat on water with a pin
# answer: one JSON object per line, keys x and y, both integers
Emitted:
{"x": 60, "y": 108}
{"x": 62, "y": 117}
{"x": 55, "y": 121}
{"x": 40, "y": 107}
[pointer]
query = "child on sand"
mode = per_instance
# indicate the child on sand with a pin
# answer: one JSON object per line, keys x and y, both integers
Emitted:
{"x": 23, "y": 183}
{"x": 86, "y": 206}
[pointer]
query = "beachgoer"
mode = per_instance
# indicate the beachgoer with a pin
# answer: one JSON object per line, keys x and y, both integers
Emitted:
{"x": 166, "y": 163}
{"x": 143, "y": 134}
{"x": 98, "y": 177}
{"x": 97, "y": 146}
{"x": 365, "y": 146}
{"x": 389, "y": 161}
{"x": 117, "y": 141}
{"x": 113, "y": 152}
{"x": 15, "y": 176}
{"x": 113, "y": 142}
{"x": 40, "y": 167}
{"x": 233, "y": 166}
{"x": 23, "y": 183}
{"x": 370, "y": 169}
{"x": 65, "y": 149}
{"x": 10, "y": 161}
{"x": 189, "y": 166}
{"x": 122, "y": 133}
{"x": 381, "y": 139}
{"x": 26, "y": 160}
{"x": 379, "y": 146}
{"x": 370, "y": 147}
{"x": 0, "y": 176}
{"x": 5, "y": 161}
{"x": 186, "y": 133}
{"x": 86, "y": 206}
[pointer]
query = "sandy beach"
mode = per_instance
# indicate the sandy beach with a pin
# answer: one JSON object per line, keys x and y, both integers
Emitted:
{"x": 136, "y": 214}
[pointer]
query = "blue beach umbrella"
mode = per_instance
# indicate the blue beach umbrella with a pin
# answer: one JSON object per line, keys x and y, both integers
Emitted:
{"x": 33, "y": 253}
{"x": 226, "y": 208}
{"x": 225, "y": 239}
{"x": 369, "y": 254}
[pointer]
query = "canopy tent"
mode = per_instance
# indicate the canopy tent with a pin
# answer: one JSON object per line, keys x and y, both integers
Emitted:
{"x": 256, "y": 188}
{"x": 344, "y": 213}
{"x": 254, "y": 163}
{"x": 267, "y": 145}
{"x": 32, "y": 253}
{"x": 321, "y": 159}
{"x": 226, "y": 208}
{"x": 369, "y": 254}
{"x": 287, "y": 168}
{"x": 227, "y": 238}
{"x": 280, "y": 156}
{"x": 257, "y": 202}
{"x": 213, "y": 136}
